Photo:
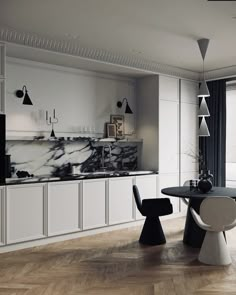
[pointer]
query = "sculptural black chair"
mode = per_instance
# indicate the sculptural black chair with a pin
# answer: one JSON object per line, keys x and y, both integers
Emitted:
{"x": 152, "y": 232}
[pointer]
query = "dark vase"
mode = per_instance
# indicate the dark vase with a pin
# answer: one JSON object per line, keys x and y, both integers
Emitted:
{"x": 205, "y": 184}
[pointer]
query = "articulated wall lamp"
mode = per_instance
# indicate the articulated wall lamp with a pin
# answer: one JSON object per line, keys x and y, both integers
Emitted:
{"x": 127, "y": 109}
{"x": 24, "y": 92}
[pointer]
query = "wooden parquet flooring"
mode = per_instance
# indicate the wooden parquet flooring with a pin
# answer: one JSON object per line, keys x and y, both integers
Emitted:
{"x": 115, "y": 263}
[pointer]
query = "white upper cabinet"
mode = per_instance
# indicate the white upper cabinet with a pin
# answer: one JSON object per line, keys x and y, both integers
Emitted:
{"x": 189, "y": 91}
{"x": 189, "y": 137}
{"x": 63, "y": 207}
{"x": 2, "y": 60}
{"x": 168, "y": 88}
{"x": 168, "y": 136}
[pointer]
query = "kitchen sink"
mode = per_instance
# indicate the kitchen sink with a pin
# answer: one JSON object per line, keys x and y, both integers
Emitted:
{"x": 140, "y": 172}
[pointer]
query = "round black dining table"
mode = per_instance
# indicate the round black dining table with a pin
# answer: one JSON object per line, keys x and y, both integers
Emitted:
{"x": 193, "y": 234}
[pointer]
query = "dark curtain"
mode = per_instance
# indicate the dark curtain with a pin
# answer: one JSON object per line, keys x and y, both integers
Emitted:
{"x": 213, "y": 148}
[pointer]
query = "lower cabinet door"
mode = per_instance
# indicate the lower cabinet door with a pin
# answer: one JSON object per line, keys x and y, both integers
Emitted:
{"x": 168, "y": 180}
{"x": 120, "y": 200}
{"x": 25, "y": 212}
{"x": 94, "y": 203}
{"x": 2, "y": 216}
{"x": 147, "y": 186}
{"x": 63, "y": 207}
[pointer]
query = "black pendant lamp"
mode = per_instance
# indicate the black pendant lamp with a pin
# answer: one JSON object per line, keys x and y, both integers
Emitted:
{"x": 127, "y": 108}
{"x": 24, "y": 92}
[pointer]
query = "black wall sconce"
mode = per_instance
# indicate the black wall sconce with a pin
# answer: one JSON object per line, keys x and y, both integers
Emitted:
{"x": 127, "y": 109}
{"x": 24, "y": 92}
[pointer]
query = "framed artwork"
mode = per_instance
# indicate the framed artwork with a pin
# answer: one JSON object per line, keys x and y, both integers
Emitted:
{"x": 111, "y": 130}
{"x": 118, "y": 120}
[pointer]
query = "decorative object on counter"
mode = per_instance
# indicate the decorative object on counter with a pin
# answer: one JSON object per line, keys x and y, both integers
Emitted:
{"x": 205, "y": 181}
{"x": 23, "y": 174}
{"x": 127, "y": 108}
{"x": 52, "y": 121}
{"x": 111, "y": 130}
{"x": 24, "y": 92}
{"x": 203, "y": 92}
{"x": 118, "y": 120}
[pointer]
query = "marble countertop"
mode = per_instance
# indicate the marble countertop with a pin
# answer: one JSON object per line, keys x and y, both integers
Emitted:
{"x": 81, "y": 176}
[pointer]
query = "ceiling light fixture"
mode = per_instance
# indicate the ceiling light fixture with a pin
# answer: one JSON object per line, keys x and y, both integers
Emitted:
{"x": 203, "y": 130}
{"x": 203, "y": 92}
{"x": 24, "y": 92}
{"x": 203, "y": 45}
{"x": 203, "y": 110}
{"x": 127, "y": 109}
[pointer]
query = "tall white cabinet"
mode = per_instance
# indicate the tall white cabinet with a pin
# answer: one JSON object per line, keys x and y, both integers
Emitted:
{"x": 167, "y": 122}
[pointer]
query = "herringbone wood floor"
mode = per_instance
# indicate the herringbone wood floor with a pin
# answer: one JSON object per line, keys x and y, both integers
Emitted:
{"x": 114, "y": 263}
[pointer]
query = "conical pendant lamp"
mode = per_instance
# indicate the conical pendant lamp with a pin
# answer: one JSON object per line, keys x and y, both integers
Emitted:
{"x": 203, "y": 110}
{"x": 203, "y": 130}
{"x": 203, "y": 45}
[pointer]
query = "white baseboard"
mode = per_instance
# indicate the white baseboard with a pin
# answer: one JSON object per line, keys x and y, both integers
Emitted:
{"x": 49, "y": 240}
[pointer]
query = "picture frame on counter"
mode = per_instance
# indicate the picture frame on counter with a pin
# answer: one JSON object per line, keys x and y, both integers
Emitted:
{"x": 118, "y": 120}
{"x": 111, "y": 130}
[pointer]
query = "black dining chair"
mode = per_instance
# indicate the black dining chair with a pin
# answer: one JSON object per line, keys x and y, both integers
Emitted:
{"x": 152, "y": 232}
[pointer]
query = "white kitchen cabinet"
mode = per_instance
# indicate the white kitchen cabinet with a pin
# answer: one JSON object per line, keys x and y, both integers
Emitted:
{"x": 147, "y": 121}
{"x": 168, "y": 136}
{"x": 94, "y": 203}
{"x": 189, "y": 137}
{"x": 2, "y": 60}
{"x": 168, "y": 180}
{"x": 120, "y": 201}
{"x": 168, "y": 88}
{"x": 2, "y": 215}
{"x": 25, "y": 212}
{"x": 189, "y": 92}
{"x": 147, "y": 186}
{"x": 63, "y": 207}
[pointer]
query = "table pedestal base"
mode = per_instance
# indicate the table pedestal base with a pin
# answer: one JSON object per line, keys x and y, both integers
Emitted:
{"x": 193, "y": 234}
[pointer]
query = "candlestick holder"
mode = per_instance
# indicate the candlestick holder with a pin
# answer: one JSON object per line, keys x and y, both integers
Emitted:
{"x": 51, "y": 121}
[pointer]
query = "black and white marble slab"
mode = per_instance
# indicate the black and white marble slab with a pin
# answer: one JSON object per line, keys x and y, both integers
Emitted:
{"x": 57, "y": 157}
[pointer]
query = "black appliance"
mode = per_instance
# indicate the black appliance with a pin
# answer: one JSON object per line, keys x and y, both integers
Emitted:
{"x": 2, "y": 148}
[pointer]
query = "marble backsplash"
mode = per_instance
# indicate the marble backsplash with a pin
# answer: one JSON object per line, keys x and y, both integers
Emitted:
{"x": 56, "y": 158}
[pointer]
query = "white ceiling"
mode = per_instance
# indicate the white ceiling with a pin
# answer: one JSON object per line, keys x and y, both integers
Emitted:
{"x": 164, "y": 31}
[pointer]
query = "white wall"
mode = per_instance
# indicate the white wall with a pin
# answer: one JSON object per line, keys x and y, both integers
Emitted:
{"x": 83, "y": 100}
{"x": 231, "y": 126}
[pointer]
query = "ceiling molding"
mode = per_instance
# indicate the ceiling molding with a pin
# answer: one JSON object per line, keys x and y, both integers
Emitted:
{"x": 216, "y": 74}
{"x": 73, "y": 48}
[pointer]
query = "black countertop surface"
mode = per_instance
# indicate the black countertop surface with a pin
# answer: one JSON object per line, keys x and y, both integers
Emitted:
{"x": 81, "y": 176}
